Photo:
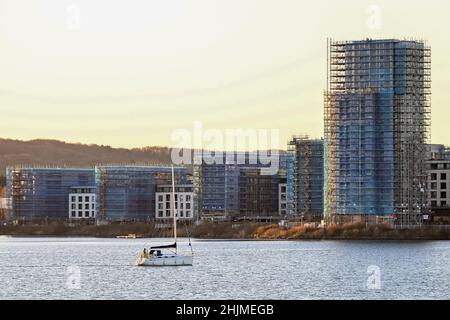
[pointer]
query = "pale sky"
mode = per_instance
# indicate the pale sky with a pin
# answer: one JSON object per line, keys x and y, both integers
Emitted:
{"x": 128, "y": 73}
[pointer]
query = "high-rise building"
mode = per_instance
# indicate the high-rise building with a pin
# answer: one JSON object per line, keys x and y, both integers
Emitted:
{"x": 305, "y": 180}
{"x": 376, "y": 119}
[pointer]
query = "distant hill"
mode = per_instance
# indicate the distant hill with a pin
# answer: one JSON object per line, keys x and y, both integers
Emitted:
{"x": 42, "y": 152}
{"x": 53, "y": 152}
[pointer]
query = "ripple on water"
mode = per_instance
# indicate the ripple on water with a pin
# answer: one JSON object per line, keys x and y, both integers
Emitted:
{"x": 43, "y": 268}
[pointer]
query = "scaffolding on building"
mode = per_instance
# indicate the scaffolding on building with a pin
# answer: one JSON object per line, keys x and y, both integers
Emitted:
{"x": 306, "y": 183}
{"x": 127, "y": 192}
{"x": 376, "y": 126}
{"x": 258, "y": 193}
{"x": 41, "y": 193}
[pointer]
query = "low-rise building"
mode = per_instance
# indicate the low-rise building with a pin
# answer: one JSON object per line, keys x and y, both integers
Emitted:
{"x": 106, "y": 193}
{"x": 41, "y": 194}
{"x": 438, "y": 176}
{"x": 237, "y": 186}
{"x": 127, "y": 193}
{"x": 258, "y": 193}
{"x": 184, "y": 201}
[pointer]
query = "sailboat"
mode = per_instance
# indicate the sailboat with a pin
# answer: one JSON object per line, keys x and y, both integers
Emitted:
{"x": 166, "y": 255}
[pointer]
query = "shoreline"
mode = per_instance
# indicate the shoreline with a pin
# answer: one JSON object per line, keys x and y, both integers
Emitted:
{"x": 229, "y": 239}
{"x": 229, "y": 232}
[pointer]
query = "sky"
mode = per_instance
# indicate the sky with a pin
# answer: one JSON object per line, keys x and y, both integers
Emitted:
{"x": 128, "y": 73}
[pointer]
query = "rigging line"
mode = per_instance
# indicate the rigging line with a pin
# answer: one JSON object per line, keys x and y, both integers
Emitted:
{"x": 189, "y": 237}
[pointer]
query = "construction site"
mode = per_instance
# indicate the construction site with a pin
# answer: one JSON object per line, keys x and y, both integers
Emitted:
{"x": 127, "y": 192}
{"x": 305, "y": 181}
{"x": 41, "y": 193}
{"x": 258, "y": 193}
{"x": 376, "y": 127}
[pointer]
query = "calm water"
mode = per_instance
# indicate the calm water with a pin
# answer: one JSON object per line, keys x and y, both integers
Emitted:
{"x": 47, "y": 268}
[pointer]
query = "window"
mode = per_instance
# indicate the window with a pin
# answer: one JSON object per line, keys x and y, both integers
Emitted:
{"x": 93, "y": 199}
{"x": 160, "y": 198}
{"x": 86, "y": 214}
{"x": 167, "y": 197}
{"x": 433, "y": 194}
{"x": 443, "y": 176}
{"x": 433, "y": 185}
{"x": 86, "y": 206}
{"x": 93, "y": 206}
{"x": 434, "y": 203}
{"x": 80, "y": 199}
{"x": 443, "y": 185}
{"x": 443, "y": 194}
{"x": 74, "y": 198}
{"x": 73, "y": 214}
{"x": 443, "y": 203}
{"x": 86, "y": 199}
{"x": 188, "y": 205}
{"x": 80, "y": 214}
{"x": 93, "y": 213}
{"x": 188, "y": 197}
{"x": 188, "y": 214}
{"x": 160, "y": 214}
{"x": 160, "y": 206}
{"x": 73, "y": 205}
{"x": 167, "y": 213}
{"x": 80, "y": 206}
{"x": 434, "y": 176}
{"x": 181, "y": 213}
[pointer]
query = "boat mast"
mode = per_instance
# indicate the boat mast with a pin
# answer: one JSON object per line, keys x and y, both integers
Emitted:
{"x": 174, "y": 211}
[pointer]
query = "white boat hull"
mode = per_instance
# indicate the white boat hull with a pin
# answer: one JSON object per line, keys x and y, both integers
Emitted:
{"x": 165, "y": 260}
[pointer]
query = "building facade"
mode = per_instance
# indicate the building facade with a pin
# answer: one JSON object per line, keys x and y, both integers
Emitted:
{"x": 258, "y": 193}
{"x": 282, "y": 198}
{"x": 184, "y": 202}
{"x": 38, "y": 194}
{"x": 376, "y": 119}
{"x": 438, "y": 175}
{"x": 128, "y": 193}
{"x": 306, "y": 181}
{"x": 225, "y": 188}
{"x": 82, "y": 203}
{"x": 217, "y": 188}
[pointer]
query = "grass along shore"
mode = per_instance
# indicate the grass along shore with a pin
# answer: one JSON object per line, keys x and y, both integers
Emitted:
{"x": 255, "y": 231}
